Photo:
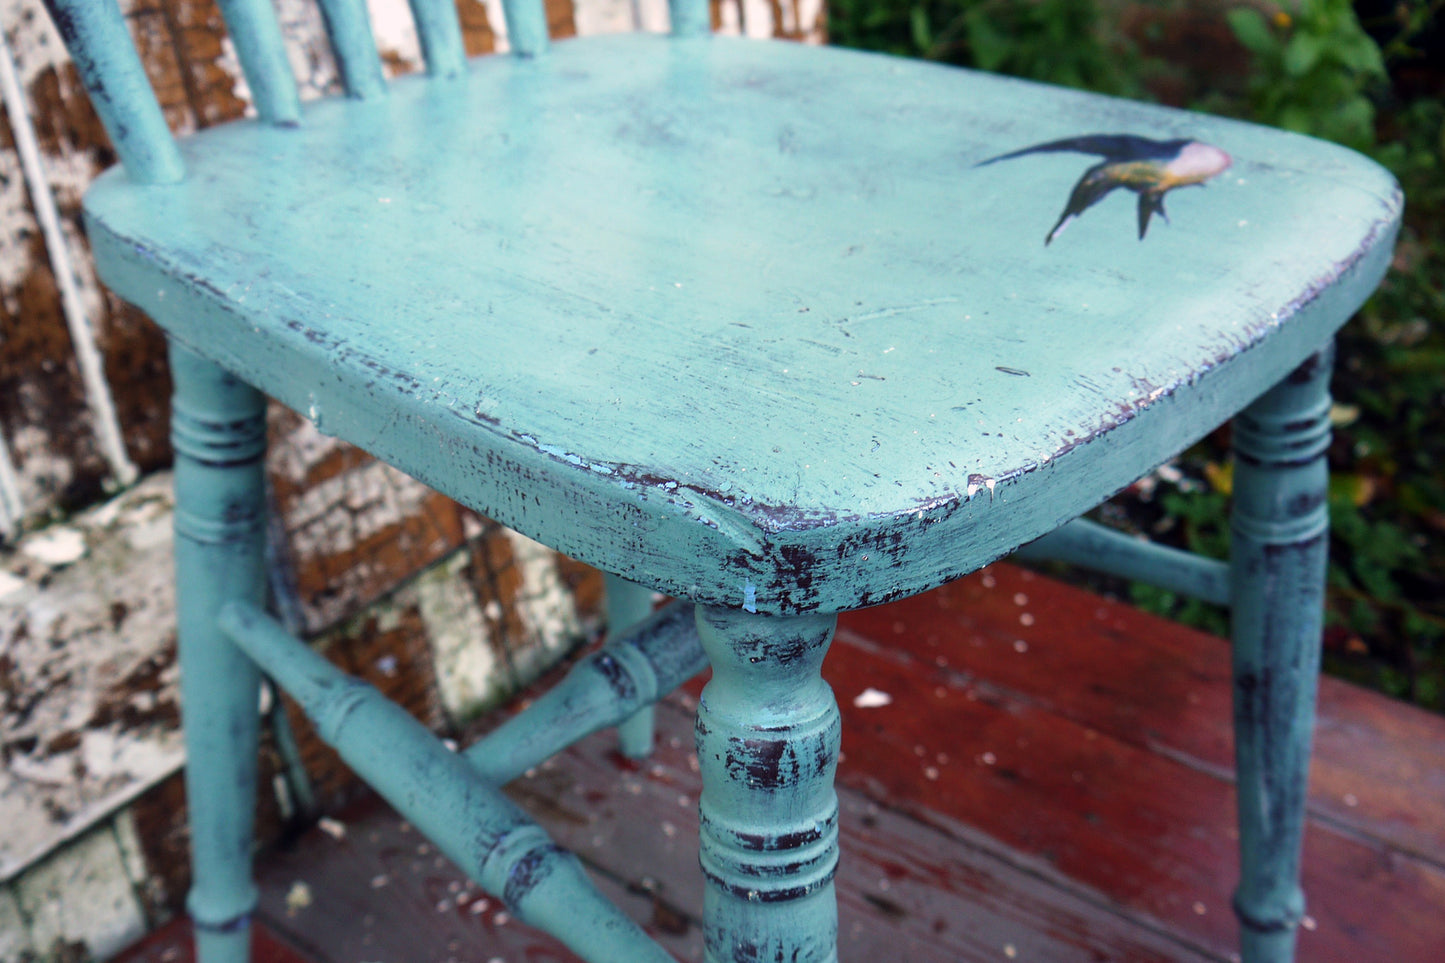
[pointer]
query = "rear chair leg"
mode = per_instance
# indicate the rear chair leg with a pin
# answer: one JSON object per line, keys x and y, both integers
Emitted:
{"x": 767, "y": 740}
{"x": 218, "y": 428}
{"x": 627, "y": 604}
{"x": 1280, "y": 541}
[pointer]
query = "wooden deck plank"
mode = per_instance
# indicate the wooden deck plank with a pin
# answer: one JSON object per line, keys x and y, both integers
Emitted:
{"x": 1089, "y": 792}
{"x": 171, "y": 943}
{"x": 907, "y": 893}
{"x": 1165, "y": 687}
{"x": 1064, "y": 799}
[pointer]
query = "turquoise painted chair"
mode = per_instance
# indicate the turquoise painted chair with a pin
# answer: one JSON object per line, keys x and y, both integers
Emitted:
{"x": 779, "y": 331}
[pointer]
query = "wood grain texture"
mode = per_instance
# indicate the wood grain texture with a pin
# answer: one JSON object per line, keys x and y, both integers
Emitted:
{"x": 916, "y": 884}
{"x": 1058, "y": 742}
{"x": 1167, "y": 692}
{"x": 690, "y": 234}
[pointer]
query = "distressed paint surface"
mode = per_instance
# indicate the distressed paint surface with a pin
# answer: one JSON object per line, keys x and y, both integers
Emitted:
{"x": 192, "y": 64}
{"x": 87, "y": 658}
{"x": 957, "y": 367}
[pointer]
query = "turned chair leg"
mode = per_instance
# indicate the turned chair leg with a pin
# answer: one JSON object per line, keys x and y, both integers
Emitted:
{"x": 768, "y": 731}
{"x": 218, "y": 428}
{"x": 627, "y": 604}
{"x": 1280, "y": 541}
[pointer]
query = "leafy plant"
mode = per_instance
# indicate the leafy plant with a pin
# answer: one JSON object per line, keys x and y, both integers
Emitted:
{"x": 1066, "y": 42}
{"x": 1309, "y": 67}
{"x": 1314, "y": 70}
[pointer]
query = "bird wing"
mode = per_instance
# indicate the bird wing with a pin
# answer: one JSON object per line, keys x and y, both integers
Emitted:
{"x": 1111, "y": 147}
{"x": 1097, "y": 181}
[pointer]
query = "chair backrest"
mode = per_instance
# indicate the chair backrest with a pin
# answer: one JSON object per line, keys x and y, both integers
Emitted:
{"x": 96, "y": 36}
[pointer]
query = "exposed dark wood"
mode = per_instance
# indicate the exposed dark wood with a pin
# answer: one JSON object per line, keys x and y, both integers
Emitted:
{"x": 1067, "y": 799}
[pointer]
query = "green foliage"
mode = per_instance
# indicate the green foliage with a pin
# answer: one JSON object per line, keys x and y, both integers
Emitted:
{"x": 1064, "y": 42}
{"x": 1309, "y": 66}
{"x": 1313, "y": 71}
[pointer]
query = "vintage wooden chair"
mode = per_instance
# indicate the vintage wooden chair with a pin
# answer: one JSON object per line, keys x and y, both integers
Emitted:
{"x": 758, "y": 325}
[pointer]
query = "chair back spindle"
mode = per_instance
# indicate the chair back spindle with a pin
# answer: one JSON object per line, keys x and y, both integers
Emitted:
{"x": 349, "y": 26}
{"x": 526, "y": 27}
{"x": 441, "y": 36}
{"x": 96, "y": 36}
{"x": 690, "y": 18}
{"x": 256, "y": 33}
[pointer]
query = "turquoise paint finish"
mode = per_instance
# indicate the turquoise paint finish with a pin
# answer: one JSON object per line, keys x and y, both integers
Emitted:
{"x": 610, "y": 687}
{"x": 256, "y": 33}
{"x": 99, "y": 43}
{"x": 1086, "y": 543}
{"x": 690, "y": 18}
{"x": 632, "y": 250}
{"x": 752, "y": 323}
{"x": 218, "y": 429}
{"x": 1279, "y": 546}
{"x": 477, "y": 827}
{"x": 526, "y": 27}
{"x": 768, "y": 731}
{"x": 629, "y": 603}
{"x": 348, "y": 24}
{"x": 441, "y": 37}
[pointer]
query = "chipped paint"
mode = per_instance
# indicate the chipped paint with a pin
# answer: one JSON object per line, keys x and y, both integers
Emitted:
{"x": 77, "y": 318}
{"x": 88, "y": 656}
{"x": 344, "y": 511}
{"x": 604, "y": 16}
{"x": 83, "y": 894}
{"x": 396, "y": 37}
{"x": 467, "y": 673}
{"x": 14, "y": 935}
{"x": 544, "y": 603}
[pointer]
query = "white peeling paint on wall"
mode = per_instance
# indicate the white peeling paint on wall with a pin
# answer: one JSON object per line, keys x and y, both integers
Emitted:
{"x": 544, "y": 603}
{"x": 307, "y": 48}
{"x": 395, "y": 30}
{"x": 594, "y": 17}
{"x": 82, "y": 893}
{"x": 36, "y": 47}
{"x": 497, "y": 17}
{"x": 811, "y": 20}
{"x": 652, "y": 15}
{"x": 57, "y": 246}
{"x": 344, "y": 511}
{"x": 84, "y": 607}
{"x": 31, "y": 186}
{"x": 468, "y": 676}
{"x": 14, "y": 936}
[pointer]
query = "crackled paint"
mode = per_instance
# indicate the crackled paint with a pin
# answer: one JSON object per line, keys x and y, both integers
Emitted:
{"x": 88, "y": 639}
{"x": 84, "y": 888}
{"x": 920, "y": 367}
{"x": 991, "y": 409}
{"x": 477, "y": 827}
{"x": 1279, "y": 548}
{"x": 469, "y": 677}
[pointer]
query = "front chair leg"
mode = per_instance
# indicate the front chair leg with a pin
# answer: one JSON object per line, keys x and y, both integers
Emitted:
{"x": 767, "y": 741}
{"x": 218, "y": 428}
{"x": 1279, "y": 549}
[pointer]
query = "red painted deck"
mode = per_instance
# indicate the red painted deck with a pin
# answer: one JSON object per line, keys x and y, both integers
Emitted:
{"x": 1049, "y": 782}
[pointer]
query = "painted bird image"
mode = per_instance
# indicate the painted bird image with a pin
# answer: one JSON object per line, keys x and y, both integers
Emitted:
{"x": 1149, "y": 168}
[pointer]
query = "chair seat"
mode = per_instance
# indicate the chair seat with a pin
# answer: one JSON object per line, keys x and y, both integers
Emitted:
{"x": 742, "y": 321}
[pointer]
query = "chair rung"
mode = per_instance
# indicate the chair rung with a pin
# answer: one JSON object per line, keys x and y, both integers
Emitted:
{"x": 1093, "y": 546}
{"x": 629, "y": 673}
{"x": 478, "y": 828}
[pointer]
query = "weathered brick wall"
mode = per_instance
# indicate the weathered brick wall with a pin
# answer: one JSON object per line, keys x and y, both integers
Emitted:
{"x": 443, "y": 610}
